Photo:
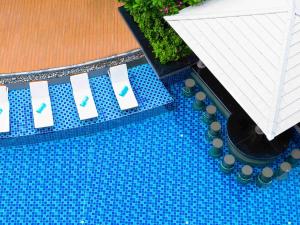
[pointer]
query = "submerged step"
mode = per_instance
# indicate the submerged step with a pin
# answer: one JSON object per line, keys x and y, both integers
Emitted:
{"x": 149, "y": 90}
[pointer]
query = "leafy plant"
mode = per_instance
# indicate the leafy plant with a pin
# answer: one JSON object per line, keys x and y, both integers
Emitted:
{"x": 148, "y": 14}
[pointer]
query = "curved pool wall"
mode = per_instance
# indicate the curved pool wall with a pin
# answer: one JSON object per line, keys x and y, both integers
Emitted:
{"x": 150, "y": 93}
{"x": 153, "y": 171}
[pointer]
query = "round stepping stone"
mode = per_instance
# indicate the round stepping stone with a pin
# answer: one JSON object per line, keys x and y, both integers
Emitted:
{"x": 227, "y": 164}
{"x": 189, "y": 86}
{"x": 267, "y": 173}
{"x": 258, "y": 130}
{"x": 229, "y": 160}
{"x": 214, "y": 130}
{"x": 190, "y": 83}
{"x": 216, "y": 150}
{"x": 245, "y": 174}
{"x": 247, "y": 171}
{"x": 265, "y": 177}
{"x": 199, "y": 103}
{"x": 211, "y": 109}
{"x": 294, "y": 158}
{"x": 296, "y": 154}
{"x": 283, "y": 170}
{"x": 285, "y": 167}
{"x": 200, "y": 96}
{"x": 217, "y": 143}
{"x": 210, "y": 114}
{"x": 215, "y": 126}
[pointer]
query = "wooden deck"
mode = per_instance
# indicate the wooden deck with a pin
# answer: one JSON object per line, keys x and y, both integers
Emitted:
{"x": 37, "y": 34}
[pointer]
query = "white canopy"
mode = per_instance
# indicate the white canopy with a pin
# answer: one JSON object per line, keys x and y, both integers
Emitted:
{"x": 253, "y": 49}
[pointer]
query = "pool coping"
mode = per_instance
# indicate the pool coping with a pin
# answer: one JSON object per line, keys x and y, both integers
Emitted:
{"x": 131, "y": 57}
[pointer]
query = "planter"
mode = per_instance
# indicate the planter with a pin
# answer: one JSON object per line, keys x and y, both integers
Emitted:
{"x": 162, "y": 70}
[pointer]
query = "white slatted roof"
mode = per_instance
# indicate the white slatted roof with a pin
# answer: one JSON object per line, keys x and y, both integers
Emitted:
{"x": 253, "y": 48}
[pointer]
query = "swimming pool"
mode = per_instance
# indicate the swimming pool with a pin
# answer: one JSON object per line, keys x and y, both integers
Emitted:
{"x": 152, "y": 171}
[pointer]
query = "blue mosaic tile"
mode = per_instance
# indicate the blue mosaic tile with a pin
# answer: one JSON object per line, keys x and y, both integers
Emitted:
{"x": 149, "y": 92}
{"x": 153, "y": 171}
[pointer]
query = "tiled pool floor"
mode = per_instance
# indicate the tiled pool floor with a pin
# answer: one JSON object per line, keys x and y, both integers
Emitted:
{"x": 156, "y": 171}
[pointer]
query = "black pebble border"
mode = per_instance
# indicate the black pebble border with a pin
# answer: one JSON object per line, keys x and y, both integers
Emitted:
{"x": 46, "y": 74}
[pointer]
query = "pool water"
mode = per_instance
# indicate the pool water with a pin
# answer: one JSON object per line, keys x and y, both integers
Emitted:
{"x": 154, "y": 171}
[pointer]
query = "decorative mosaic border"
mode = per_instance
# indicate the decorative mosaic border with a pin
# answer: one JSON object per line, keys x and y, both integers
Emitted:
{"x": 22, "y": 77}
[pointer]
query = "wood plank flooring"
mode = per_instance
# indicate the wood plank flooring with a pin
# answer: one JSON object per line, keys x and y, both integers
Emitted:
{"x": 37, "y": 34}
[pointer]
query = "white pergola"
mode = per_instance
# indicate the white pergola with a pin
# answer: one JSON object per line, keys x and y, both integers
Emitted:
{"x": 253, "y": 49}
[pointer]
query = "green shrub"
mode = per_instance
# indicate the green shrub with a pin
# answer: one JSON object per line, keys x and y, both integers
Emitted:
{"x": 148, "y": 14}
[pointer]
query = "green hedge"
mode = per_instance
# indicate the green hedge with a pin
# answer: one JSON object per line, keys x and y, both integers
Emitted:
{"x": 167, "y": 45}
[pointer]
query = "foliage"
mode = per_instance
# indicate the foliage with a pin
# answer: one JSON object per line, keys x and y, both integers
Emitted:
{"x": 167, "y": 45}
